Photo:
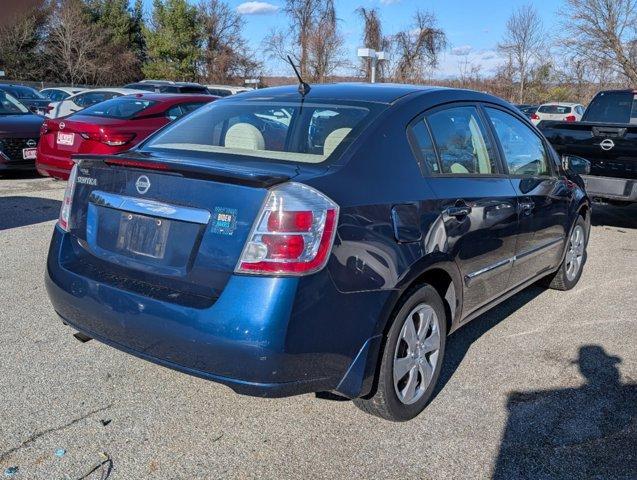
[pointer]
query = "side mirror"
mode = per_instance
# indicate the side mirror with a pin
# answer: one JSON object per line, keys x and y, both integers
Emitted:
{"x": 577, "y": 165}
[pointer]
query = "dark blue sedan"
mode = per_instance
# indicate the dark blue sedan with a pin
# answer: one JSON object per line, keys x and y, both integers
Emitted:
{"x": 282, "y": 243}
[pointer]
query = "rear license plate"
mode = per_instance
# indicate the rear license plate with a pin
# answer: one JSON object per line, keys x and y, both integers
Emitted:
{"x": 29, "y": 153}
{"x": 65, "y": 138}
{"x": 143, "y": 235}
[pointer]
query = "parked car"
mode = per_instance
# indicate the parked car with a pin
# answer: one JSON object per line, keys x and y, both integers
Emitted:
{"x": 19, "y": 134}
{"x": 165, "y": 86}
{"x": 57, "y": 94}
{"x": 564, "y": 112}
{"x": 87, "y": 98}
{"x": 27, "y": 96}
{"x": 109, "y": 127}
{"x": 338, "y": 261}
{"x": 607, "y": 138}
{"x": 226, "y": 90}
{"x": 528, "y": 110}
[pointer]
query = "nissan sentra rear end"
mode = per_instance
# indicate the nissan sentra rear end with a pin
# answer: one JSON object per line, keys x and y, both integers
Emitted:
{"x": 205, "y": 248}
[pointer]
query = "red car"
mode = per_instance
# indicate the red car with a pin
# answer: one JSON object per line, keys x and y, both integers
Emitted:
{"x": 108, "y": 127}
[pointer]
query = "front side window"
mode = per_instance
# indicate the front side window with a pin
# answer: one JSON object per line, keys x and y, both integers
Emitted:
{"x": 292, "y": 131}
{"x": 462, "y": 144}
{"x": 523, "y": 150}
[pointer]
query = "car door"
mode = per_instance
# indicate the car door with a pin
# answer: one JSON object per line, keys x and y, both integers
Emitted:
{"x": 476, "y": 201}
{"x": 543, "y": 195}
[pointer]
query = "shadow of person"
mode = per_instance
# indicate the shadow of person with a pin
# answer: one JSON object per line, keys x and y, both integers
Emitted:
{"x": 573, "y": 433}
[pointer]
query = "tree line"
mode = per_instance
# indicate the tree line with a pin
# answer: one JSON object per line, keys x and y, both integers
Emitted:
{"x": 109, "y": 42}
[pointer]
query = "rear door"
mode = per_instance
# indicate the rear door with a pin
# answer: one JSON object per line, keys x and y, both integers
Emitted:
{"x": 477, "y": 203}
{"x": 543, "y": 196}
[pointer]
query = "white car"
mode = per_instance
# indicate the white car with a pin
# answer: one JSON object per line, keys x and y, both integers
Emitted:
{"x": 84, "y": 99}
{"x": 562, "y": 112}
{"x": 57, "y": 94}
{"x": 226, "y": 90}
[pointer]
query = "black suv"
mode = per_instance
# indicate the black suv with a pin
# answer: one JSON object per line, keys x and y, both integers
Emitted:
{"x": 165, "y": 86}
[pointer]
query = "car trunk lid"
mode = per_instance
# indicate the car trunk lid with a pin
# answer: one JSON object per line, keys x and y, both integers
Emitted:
{"x": 177, "y": 228}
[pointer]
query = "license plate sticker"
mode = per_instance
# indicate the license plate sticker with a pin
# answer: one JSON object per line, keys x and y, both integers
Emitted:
{"x": 142, "y": 235}
{"x": 65, "y": 138}
{"x": 29, "y": 153}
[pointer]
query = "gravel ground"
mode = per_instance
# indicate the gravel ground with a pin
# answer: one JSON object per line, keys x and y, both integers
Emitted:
{"x": 543, "y": 386}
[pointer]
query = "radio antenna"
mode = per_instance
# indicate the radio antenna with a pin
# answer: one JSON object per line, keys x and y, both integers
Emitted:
{"x": 304, "y": 88}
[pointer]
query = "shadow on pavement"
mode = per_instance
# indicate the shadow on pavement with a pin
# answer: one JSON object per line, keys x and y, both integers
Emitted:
{"x": 20, "y": 175}
{"x": 613, "y": 216}
{"x": 573, "y": 433}
{"x": 460, "y": 341}
{"x": 20, "y": 211}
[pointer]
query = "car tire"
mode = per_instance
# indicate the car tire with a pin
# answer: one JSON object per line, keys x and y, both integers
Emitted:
{"x": 420, "y": 356}
{"x": 572, "y": 265}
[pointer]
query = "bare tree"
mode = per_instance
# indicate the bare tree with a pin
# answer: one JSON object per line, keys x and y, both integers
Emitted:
{"x": 416, "y": 51}
{"x": 523, "y": 43}
{"x": 604, "y": 31}
{"x": 313, "y": 39}
{"x": 373, "y": 38}
{"x": 225, "y": 54}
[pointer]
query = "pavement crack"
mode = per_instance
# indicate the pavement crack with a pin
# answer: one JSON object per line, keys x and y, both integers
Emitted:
{"x": 41, "y": 433}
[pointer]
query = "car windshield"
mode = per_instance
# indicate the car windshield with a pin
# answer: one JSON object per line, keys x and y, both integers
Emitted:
{"x": 293, "y": 132}
{"x": 554, "y": 109}
{"x": 120, "y": 107}
{"x": 612, "y": 107}
{"x": 10, "y": 106}
{"x": 28, "y": 93}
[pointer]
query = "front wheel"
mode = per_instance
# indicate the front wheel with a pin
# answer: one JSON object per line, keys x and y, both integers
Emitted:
{"x": 412, "y": 358}
{"x": 572, "y": 266}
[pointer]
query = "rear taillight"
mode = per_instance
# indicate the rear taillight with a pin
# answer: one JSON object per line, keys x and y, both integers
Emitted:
{"x": 110, "y": 139}
{"x": 570, "y": 118}
{"x": 67, "y": 202}
{"x": 293, "y": 234}
{"x": 535, "y": 116}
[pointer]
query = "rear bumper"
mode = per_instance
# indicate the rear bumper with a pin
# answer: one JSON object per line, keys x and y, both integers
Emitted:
{"x": 53, "y": 166}
{"x": 611, "y": 188}
{"x": 263, "y": 336}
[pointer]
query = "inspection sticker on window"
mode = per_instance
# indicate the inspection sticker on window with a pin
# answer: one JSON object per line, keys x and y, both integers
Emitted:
{"x": 224, "y": 220}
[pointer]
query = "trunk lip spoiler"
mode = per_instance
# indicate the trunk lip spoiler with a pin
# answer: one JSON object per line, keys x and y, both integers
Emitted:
{"x": 214, "y": 170}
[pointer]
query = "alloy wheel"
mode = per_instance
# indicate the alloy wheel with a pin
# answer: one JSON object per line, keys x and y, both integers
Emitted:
{"x": 575, "y": 253}
{"x": 416, "y": 354}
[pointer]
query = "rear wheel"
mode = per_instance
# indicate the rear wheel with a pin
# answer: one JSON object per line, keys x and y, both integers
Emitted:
{"x": 412, "y": 358}
{"x": 572, "y": 266}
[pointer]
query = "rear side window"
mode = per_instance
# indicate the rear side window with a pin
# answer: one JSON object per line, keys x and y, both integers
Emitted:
{"x": 461, "y": 140}
{"x": 554, "y": 109}
{"x": 121, "y": 107}
{"x": 612, "y": 107}
{"x": 523, "y": 150}
{"x": 219, "y": 92}
{"x": 421, "y": 134}
{"x": 291, "y": 131}
{"x": 177, "y": 111}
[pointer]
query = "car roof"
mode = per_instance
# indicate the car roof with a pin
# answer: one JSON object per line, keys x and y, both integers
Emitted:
{"x": 561, "y": 104}
{"x": 175, "y": 97}
{"x": 362, "y": 92}
{"x": 167, "y": 83}
{"x": 123, "y": 91}
{"x": 66, "y": 89}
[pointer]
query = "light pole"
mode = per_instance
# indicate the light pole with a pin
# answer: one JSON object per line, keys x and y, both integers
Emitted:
{"x": 374, "y": 57}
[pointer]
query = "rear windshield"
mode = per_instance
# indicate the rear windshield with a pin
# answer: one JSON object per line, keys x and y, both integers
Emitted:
{"x": 554, "y": 109}
{"x": 294, "y": 132}
{"x": 10, "y": 106}
{"x": 120, "y": 107}
{"x": 612, "y": 107}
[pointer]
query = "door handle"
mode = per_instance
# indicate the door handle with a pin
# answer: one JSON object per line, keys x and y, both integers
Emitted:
{"x": 458, "y": 211}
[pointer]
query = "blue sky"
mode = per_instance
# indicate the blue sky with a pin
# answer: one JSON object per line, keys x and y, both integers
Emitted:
{"x": 471, "y": 26}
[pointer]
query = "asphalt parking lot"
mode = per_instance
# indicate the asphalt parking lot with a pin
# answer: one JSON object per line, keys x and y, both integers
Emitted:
{"x": 544, "y": 386}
